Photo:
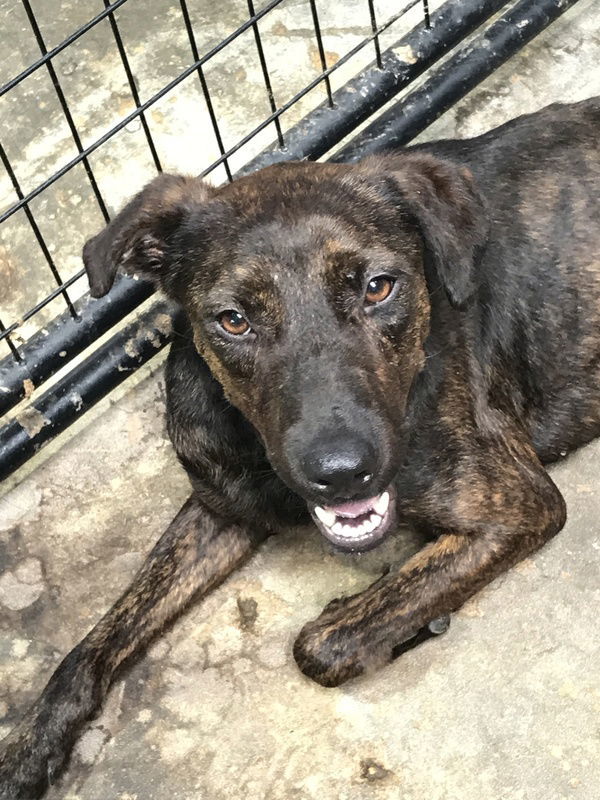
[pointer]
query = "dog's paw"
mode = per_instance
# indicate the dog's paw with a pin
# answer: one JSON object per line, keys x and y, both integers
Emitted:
{"x": 345, "y": 642}
{"x": 339, "y": 645}
{"x": 326, "y": 656}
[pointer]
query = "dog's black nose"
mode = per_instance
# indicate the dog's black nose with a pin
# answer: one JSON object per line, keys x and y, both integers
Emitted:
{"x": 340, "y": 467}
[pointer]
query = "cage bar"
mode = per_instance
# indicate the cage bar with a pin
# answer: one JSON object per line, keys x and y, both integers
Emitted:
{"x": 374, "y": 29}
{"x": 65, "y": 107}
{"x": 131, "y": 81}
{"x": 321, "y": 49}
{"x": 426, "y": 13}
{"x": 204, "y": 86}
{"x": 40, "y": 240}
{"x": 12, "y": 347}
{"x": 265, "y": 72}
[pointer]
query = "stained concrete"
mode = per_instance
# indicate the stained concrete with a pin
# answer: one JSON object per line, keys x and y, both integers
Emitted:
{"x": 506, "y": 706}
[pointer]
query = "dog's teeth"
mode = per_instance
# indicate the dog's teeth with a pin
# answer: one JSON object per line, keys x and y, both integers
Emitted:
{"x": 350, "y": 531}
{"x": 326, "y": 517}
{"x": 382, "y": 503}
{"x": 361, "y": 531}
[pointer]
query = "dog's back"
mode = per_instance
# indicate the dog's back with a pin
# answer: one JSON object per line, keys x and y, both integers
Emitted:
{"x": 540, "y": 272}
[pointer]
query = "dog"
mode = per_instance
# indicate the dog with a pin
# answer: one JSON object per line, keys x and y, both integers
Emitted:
{"x": 409, "y": 338}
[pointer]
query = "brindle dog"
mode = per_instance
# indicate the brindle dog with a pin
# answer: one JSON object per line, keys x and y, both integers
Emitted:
{"x": 408, "y": 338}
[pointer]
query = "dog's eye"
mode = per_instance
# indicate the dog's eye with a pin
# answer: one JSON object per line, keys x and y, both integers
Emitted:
{"x": 378, "y": 289}
{"x": 234, "y": 323}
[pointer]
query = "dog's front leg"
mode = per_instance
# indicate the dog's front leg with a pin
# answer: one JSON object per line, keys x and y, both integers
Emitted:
{"x": 196, "y": 552}
{"x": 496, "y": 520}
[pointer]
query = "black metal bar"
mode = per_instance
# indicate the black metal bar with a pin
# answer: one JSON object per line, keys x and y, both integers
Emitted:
{"x": 64, "y": 338}
{"x": 459, "y": 74}
{"x": 374, "y": 29}
{"x": 136, "y": 112}
{"x": 103, "y": 370}
{"x": 311, "y": 138}
{"x": 59, "y": 48}
{"x": 321, "y": 49}
{"x": 94, "y": 378}
{"x": 265, "y": 72}
{"x": 204, "y": 86}
{"x": 11, "y": 345}
{"x": 65, "y": 108}
{"x": 132, "y": 85}
{"x": 38, "y": 235}
{"x": 426, "y": 16}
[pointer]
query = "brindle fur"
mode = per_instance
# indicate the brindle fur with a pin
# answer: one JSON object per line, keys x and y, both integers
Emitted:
{"x": 485, "y": 367}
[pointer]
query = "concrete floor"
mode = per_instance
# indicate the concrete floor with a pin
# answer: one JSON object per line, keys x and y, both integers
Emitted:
{"x": 505, "y": 707}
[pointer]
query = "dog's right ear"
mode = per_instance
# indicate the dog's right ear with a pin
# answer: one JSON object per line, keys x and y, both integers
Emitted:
{"x": 136, "y": 239}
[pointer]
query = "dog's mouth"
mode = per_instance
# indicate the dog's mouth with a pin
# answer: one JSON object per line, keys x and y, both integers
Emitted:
{"x": 357, "y": 525}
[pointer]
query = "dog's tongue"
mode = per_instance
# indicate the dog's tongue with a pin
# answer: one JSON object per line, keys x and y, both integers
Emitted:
{"x": 354, "y": 508}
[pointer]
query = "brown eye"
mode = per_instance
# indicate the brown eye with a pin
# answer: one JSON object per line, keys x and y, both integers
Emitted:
{"x": 378, "y": 289}
{"x": 234, "y": 323}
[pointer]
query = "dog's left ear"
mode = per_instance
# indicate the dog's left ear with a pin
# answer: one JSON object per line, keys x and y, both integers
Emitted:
{"x": 452, "y": 217}
{"x": 137, "y": 239}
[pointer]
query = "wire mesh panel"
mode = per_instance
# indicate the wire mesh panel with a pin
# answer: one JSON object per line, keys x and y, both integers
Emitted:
{"x": 98, "y": 96}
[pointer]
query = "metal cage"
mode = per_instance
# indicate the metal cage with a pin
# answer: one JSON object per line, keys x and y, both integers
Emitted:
{"x": 471, "y": 38}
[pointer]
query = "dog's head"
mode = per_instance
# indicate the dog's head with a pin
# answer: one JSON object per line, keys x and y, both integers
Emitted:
{"x": 308, "y": 288}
